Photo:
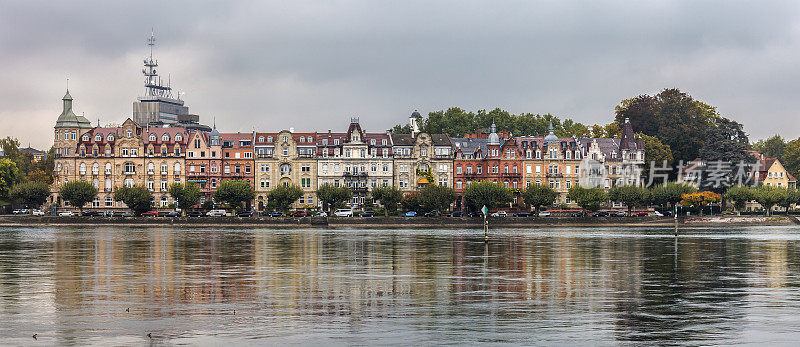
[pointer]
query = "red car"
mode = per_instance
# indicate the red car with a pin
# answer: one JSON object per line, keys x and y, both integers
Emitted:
{"x": 300, "y": 214}
{"x": 641, "y": 214}
{"x": 150, "y": 214}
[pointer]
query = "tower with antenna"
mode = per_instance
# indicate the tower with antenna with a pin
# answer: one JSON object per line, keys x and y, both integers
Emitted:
{"x": 157, "y": 107}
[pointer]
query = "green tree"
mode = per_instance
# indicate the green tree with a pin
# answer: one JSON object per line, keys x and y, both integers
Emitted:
{"x": 186, "y": 195}
{"x": 486, "y": 193}
{"x": 769, "y": 196}
{"x": 389, "y": 197}
{"x": 631, "y": 196}
{"x": 668, "y": 195}
{"x": 412, "y": 202}
{"x": 283, "y": 196}
{"x": 672, "y": 116}
{"x": 589, "y": 199}
{"x": 655, "y": 153}
{"x": 538, "y": 195}
{"x": 234, "y": 193}
{"x": 31, "y": 194}
{"x": 333, "y": 197}
{"x": 740, "y": 195}
{"x": 78, "y": 193}
{"x": 773, "y": 147}
{"x": 9, "y": 175}
{"x": 792, "y": 199}
{"x": 791, "y": 157}
{"x": 137, "y": 198}
{"x": 436, "y": 197}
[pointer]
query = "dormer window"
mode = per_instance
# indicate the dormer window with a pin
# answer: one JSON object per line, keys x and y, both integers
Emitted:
{"x": 285, "y": 139}
{"x": 98, "y": 137}
{"x": 302, "y": 139}
{"x": 178, "y": 137}
{"x": 110, "y": 137}
{"x": 335, "y": 142}
{"x": 310, "y": 139}
{"x": 269, "y": 138}
{"x": 152, "y": 137}
{"x": 261, "y": 139}
{"x": 128, "y": 133}
{"x": 165, "y": 137}
{"x": 85, "y": 138}
{"x": 372, "y": 142}
{"x": 383, "y": 142}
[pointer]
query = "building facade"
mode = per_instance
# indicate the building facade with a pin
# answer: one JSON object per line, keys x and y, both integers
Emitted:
{"x": 286, "y": 158}
{"x": 204, "y": 162}
{"x": 355, "y": 159}
{"x": 420, "y": 158}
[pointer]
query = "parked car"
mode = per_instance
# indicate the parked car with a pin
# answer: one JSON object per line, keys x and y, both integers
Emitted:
{"x": 544, "y": 213}
{"x": 126, "y": 214}
{"x": 600, "y": 214}
{"x": 300, "y": 214}
{"x": 475, "y": 214}
{"x": 618, "y": 214}
{"x": 172, "y": 214}
{"x": 433, "y": 213}
{"x": 245, "y": 214}
{"x": 658, "y": 214}
{"x": 522, "y": 214}
{"x": 641, "y": 214}
{"x": 91, "y": 214}
{"x": 21, "y": 211}
{"x": 320, "y": 214}
{"x": 457, "y": 214}
{"x": 343, "y": 212}
{"x": 150, "y": 214}
{"x": 66, "y": 213}
{"x": 410, "y": 214}
{"x": 216, "y": 213}
{"x": 195, "y": 214}
{"x": 580, "y": 214}
{"x": 367, "y": 214}
{"x": 37, "y": 212}
{"x": 499, "y": 214}
{"x": 276, "y": 214}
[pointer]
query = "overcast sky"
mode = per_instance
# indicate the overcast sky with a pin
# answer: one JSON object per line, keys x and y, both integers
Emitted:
{"x": 313, "y": 65}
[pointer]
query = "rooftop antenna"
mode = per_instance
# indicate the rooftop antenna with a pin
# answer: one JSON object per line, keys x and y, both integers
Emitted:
{"x": 67, "y": 83}
{"x": 152, "y": 81}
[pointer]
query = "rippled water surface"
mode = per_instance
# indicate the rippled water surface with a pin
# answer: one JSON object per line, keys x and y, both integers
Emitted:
{"x": 112, "y": 285}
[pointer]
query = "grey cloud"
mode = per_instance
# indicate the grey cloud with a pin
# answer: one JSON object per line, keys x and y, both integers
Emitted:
{"x": 311, "y": 65}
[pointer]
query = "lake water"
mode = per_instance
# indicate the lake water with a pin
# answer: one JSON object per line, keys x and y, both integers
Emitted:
{"x": 232, "y": 286}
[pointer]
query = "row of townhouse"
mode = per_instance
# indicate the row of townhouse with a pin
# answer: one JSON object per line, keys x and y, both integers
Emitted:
{"x": 155, "y": 157}
{"x": 560, "y": 163}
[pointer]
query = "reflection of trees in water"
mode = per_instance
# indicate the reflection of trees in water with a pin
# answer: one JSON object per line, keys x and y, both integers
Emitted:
{"x": 441, "y": 280}
{"x": 699, "y": 297}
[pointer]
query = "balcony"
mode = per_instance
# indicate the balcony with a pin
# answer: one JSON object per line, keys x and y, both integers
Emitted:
{"x": 555, "y": 175}
{"x": 354, "y": 174}
{"x": 264, "y": 156}
{"x": 306, "y": 155}
{"x": 511, "y": 174}
{"x": 359, "y": 189}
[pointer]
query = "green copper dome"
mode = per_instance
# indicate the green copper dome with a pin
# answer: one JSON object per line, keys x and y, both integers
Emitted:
{"x": 69, "y": 119}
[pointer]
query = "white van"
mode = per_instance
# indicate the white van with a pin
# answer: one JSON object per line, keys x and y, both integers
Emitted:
{"x": 216, "y": 213}
{"x": 343, "y": 212}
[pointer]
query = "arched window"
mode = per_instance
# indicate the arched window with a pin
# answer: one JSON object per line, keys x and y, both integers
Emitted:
{"x": 261, "y": 139}
{"x": 110, "y": 137}
{"x": 372, "y": 142}
{"x": 165, "y": 137}
{"x": 177, "y": 168}
{"x": 150, "y": 168}
{"x": 85, "y": 137}
{"x": 302, "y": 139}
{"x": 269, "y": 138}
{"x": 286, "y": 169}
{"x": 108, "y": 168}
{"x": 178, "y": 137}
{"x": 58, "y": 167}
{"x": 152, "y": 137}
{"x": 83, "y": 169}
{"x": 98, "y": 137}
{"x": 310, "y": 139}
{"x": 95, "y": 169}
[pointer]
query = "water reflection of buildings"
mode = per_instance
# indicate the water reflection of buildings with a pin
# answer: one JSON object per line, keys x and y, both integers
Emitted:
{"x": 639, "y": 285}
